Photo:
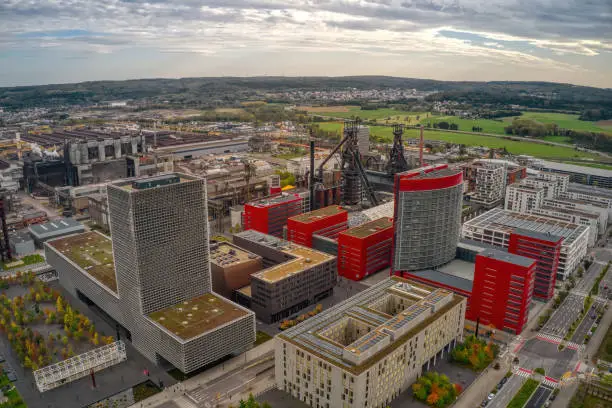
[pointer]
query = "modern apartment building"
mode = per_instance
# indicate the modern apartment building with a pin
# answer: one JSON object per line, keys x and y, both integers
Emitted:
{"x": 578, "y": 174}
{"x": 366, "y": 351}
{"x": 427, "y": 217}
{"x": 295, "y": 276}
{"x": 365, "y": 249}
{"x": 549, "y": 187}
{"x": 523, "y": 198}
{"x": 328, "y": 222}
{"x": 486, "y": 182}
{"x": 496, "y": 226}
{"x": 545, "y": 249}
{"x": 154, "y": 277}
{"x": 590, "y": 194}
{"x": 502, "y": 290}
{"x": 270, "y": 215}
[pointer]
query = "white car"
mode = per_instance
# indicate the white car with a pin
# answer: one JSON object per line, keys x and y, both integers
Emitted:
{"x": 491, "y": 396}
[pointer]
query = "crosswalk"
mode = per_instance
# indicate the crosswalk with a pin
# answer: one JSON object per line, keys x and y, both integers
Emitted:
{"x": 557, "y": 340}
{"x": 550, "y": 382}
{"x": 522, "y": 372}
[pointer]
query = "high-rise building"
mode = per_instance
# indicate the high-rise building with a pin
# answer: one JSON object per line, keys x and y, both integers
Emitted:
{"x": 327, "y": 222}
{"x": 270, "y": 215}
{"x": 367, "y": 350}
{"x": 154, "y": 277}
{"x": 545, "y": 249}
{"x": 502, "y": 290}
{"x": 427, "y": 217}
{"x": 523, "y": 198}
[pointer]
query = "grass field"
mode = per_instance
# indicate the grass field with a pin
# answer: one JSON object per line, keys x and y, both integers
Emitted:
{"x": 563, "y": 120}
{"x": 594, "y": 165}
{"x": 379, "y": 115}
{"x": 466, "y": 125}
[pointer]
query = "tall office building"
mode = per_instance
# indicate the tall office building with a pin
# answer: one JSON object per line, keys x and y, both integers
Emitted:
{"x": 154, "y": 277}
{"x": 427, "y": 217}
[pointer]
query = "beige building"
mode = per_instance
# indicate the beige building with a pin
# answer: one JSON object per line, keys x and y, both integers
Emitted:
{"x": 367, "y": 350}
{"x": 231, "y": 267}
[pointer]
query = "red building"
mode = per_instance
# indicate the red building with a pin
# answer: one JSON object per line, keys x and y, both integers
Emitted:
{"x": 515, "y": 173}
{"x": 502, "y": 290}
{"x": 365, "y": 249}
{"x": 328, "y": 222}
{"x": 545, "y": 250}
{"x": 270, "y": 215}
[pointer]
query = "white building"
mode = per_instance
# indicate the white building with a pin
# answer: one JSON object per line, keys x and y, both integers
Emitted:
{"x": 495, "y": 227}
{"x": 593, "y": 195}
{"x": 549, "y": 187}
{"x": 490, "y": 183}
{"x": 366, "y": 351}
{"x": 601, "y": 210}
{"x": 588, "y": 219}
{"x": 523, "y": 198}
{"x": 561, "y": 181}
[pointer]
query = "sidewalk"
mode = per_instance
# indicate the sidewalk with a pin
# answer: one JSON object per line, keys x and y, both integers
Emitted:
{"x": 479, "y": 389}
{"x": 208, "y": 376}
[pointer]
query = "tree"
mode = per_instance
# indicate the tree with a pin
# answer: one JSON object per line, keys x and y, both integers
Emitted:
{"x": 59, "y": 306}
{"x": 432, "y": 398}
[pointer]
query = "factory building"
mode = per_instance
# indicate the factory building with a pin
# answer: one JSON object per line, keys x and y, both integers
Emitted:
{"x": 427, "y": 217}
{"x": 365, "y": 249}
{"x": 545, "y": 249}
{"x": 231, "y": 267}
{"x": 154, "y": 277}
{"x": 496, "y": 227}
{"x": 270, "y": 215}
{"x": 327, "y": 222}
{"x": 370, "y": 348}
{"x": 295, "y": 276}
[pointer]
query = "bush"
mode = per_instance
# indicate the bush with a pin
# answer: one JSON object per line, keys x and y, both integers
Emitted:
{"x": 435, "y": 390}
{"x": 475, "y": 353}
{"x": 540, "y": 371}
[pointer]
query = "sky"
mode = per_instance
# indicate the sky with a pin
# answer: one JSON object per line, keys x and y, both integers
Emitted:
{"x": 59, "y": 41}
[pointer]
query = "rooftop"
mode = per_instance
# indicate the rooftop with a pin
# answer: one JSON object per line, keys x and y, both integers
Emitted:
{"x": 319, "y": 214}
{"x": 543, "y": 236}
{"x": 369, "y": 228}
{"x": 597, "y": 192}
{"x": 303, "y": 257}
{"x": 581, "y": 213}
{"x": 226, "y": 254}
{"x": 143, "y": 183}
{"x": 268, "y": 202}
{"x": 445, "y": 279}
{"x": 508, "y": 257}
{"x": 572, "y": 168}
{"x": 390, "y": 328}
{"x": 427, "y": 172}
{"x": 55, "y": 227}
{"x": 93, "y": 253}
{"x": 507, "y": 221}
{"x": 383, "y": 210}
{"x": 197, "y": 316}
{"x": 459, "y": 268}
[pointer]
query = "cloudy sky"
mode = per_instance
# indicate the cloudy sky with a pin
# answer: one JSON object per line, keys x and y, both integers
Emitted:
{"x": 56, "y": 41}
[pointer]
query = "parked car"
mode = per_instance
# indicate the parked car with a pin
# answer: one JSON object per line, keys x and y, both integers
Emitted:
{"x": 491, "y": 396}
{"x": 504, "y": 380}
{"x": 11, "y": 376}
{"x": 484, "y": 403}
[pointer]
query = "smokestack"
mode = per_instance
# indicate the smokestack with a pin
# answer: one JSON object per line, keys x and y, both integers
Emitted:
{"x": 312, "y": 170}
{"x": 421, "y": 148}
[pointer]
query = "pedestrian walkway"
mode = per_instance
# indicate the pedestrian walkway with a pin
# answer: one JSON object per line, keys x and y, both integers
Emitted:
{"x": 557, "y": 340}
{"x": 522, "y": 372}
{"x": 551, "y": 382}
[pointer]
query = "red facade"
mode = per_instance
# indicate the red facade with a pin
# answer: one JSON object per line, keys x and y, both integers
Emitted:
{"x": 328, "y": 221}
{"x": 365, "y": 249}
{"x": 501, "y": 293}
{"x": 545, "y": 250}
{"x": 270, "y": 215}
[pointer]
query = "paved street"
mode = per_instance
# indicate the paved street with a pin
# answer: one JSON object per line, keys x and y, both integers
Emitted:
{"x": 564, "y": 316}
{"x": 587, "y": 322}
{"x": 539, "y": 397}
{"x": 507, "y": 392}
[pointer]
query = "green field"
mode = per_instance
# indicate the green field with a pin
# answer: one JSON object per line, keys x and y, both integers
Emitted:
{"x": 563, "y": 120}
{"x": 379, "y": 115}
{"x": 466, "y": 125}
{"x": 514, "y": 147}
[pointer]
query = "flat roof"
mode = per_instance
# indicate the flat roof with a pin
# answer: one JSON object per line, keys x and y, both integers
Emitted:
{"x": 369, "y": 228}
{"x": 598, "y": 192}
{"x": 126, "y": 184}
{"x": 459, "y": 268}
{"x": 383, "y": 210}
{"x": 93, "y": 253}
{"x": 267, "y": 202}
{"x": 246, "y": 290}
{"x": 507, "y": 221}
{"x": 508, "y": 257}
{"x": 193, "y": 317}
{"x": 425, "y": 304}
{"x": 573, "y": 211}
{"x": 318, "y": 214}
{"x": 445, "y": 279}
{"x": 225, "y": 254}
{"x": 430, "y": 172}
{"x": 55, "y": 227}
{"x": 543, "y": 236}
{"x": 572, "y": 168}
{"x": 305, "y": 258}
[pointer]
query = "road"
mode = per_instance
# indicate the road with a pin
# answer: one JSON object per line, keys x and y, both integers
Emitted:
{"x": 507, "y": 392}
{"x": 539, "y": 397}
{"x": 564, "y": 316}
{"x": 588, "y": 321}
